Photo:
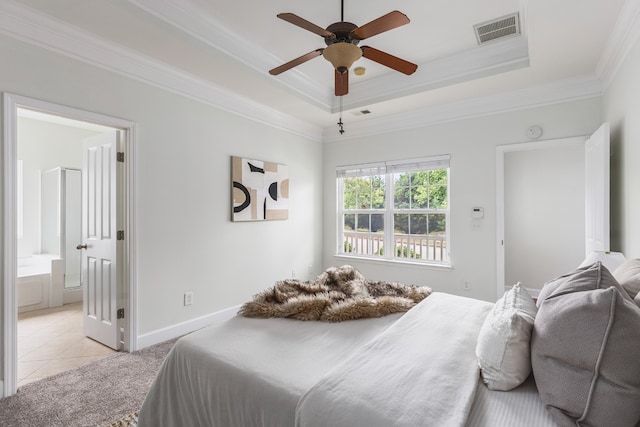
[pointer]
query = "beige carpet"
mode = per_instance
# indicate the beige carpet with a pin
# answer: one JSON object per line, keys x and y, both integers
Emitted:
{"x": 97, "y": 394}
{"x": 130, "y": 420}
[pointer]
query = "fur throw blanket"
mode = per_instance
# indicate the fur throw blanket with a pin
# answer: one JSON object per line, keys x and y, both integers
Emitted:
{"x": 337, "y": 294}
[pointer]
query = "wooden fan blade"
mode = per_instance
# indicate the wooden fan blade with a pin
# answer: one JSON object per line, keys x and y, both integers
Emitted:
{"x": 389, "y": 60}
{"x": 386, "y": 22}
{"x": 295, "y": 62}
{"x": 303, "y": 23}
{"x": 342, "y": 83}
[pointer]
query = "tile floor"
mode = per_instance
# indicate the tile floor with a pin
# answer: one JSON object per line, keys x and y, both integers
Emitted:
{"x": 51, "y": 341}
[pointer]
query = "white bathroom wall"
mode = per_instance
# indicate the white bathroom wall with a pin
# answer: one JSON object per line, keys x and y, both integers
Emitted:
{"x": 43, "y": 146}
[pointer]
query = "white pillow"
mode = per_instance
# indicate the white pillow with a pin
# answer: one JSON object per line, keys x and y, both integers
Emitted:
{"x": 503, "y": 347}
{"x": 628, "y": 275}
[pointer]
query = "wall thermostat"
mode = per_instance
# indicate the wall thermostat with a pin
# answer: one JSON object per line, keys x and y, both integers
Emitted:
{"x": 477, "y": 213}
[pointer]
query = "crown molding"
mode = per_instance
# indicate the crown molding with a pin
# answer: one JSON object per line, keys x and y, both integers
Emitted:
{"x": 190, "y": 19}
{"x": 478, "y": 62}
{"x": 472, "y": 64}
{"x": 557, "y": 92}
{"x": 624, "y": 36}
{"x": 22, "y": 23}
{"x": 25, "y": 24}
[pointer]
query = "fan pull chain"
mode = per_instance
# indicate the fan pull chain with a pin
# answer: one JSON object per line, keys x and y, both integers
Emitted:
{"x": 340, "y": 124}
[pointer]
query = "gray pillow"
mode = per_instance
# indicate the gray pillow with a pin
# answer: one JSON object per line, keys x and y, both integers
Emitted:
{"x": 585, "y": 350}
{"x": 628, "y": 275}
{"x": 582, "y": 278}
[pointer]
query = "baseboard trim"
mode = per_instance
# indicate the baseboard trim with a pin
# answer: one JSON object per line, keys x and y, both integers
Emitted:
{"x": 183, "y": 328}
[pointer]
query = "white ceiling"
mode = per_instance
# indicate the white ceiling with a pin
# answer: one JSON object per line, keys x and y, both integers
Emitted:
{"x": 231, "y": 45}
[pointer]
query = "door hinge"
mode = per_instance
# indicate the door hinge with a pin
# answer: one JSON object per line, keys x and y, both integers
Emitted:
{"x": 120, "y": 157}
{"x": 120, "y": 313}
{"x": 120, "y": 235}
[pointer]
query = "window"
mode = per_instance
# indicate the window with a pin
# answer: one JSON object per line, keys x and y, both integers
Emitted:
{"x": 402, "y": 205}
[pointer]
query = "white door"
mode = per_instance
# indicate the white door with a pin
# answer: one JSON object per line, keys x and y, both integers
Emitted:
{"x": 597, "y": 165}
{"x": 99, "y": 238}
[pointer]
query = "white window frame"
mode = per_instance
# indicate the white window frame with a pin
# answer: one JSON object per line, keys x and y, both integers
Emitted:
{"x": 389, "y": 168}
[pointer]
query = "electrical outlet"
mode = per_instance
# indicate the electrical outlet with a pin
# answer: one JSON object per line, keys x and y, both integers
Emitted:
{"x": 188, "y": 298}
{"x": 466, "y": 286}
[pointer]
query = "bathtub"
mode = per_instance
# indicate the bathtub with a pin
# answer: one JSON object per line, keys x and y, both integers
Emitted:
{"x": 40, "y": 282}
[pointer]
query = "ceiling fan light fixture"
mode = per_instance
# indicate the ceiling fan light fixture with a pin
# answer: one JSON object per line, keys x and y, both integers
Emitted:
{"x": 342, "y": 55}
{"x": 342, "y": 51}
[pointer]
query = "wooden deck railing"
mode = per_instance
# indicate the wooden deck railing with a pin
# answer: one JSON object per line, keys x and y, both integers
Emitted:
{"x": 410, "y": 246}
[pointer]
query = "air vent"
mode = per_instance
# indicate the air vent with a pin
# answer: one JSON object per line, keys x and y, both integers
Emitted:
{"x": 361, "y": 112}
{"x": 497, "y": 28}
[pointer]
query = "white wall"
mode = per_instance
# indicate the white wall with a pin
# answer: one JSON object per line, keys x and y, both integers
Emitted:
{"x": 186, "y": 241}
{"x": 621, "y": 106}
{"x": 43, "y": 146}
{"x": 472, "y": 145}
{"x": 544, "y": 201}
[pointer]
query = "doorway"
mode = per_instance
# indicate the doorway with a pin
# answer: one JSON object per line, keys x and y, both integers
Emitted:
{"x": 15, "y": 221}
{"x": 540, "y": 222}
{"x": 51, "y": 336}
{"x": 591, "y": 165}
{"x": 586, "y": 191}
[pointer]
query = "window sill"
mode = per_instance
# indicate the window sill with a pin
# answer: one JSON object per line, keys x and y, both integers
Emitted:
{"x": 399, "y": 263}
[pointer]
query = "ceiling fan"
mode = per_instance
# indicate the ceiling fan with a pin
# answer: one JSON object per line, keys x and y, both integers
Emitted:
{"x": 342, "y": 49}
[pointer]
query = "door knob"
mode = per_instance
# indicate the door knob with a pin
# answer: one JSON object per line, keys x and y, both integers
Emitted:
{"x": 81, "y": 246}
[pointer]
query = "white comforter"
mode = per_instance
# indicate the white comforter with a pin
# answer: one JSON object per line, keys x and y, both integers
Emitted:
{"x": 418, "y": 369}
{"x": 249, "y": 372}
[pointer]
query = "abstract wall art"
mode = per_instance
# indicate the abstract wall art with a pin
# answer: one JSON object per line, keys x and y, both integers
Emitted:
{"x": 259, "y": 190}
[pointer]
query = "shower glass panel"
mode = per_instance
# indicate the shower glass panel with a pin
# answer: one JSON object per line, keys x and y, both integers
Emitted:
{"x": 50, "y": 212}
{"x": 73, "y": 228}
{"x": 61, "y": 219}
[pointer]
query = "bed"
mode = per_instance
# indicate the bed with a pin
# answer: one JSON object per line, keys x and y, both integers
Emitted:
{"x": 419, "y": 368}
